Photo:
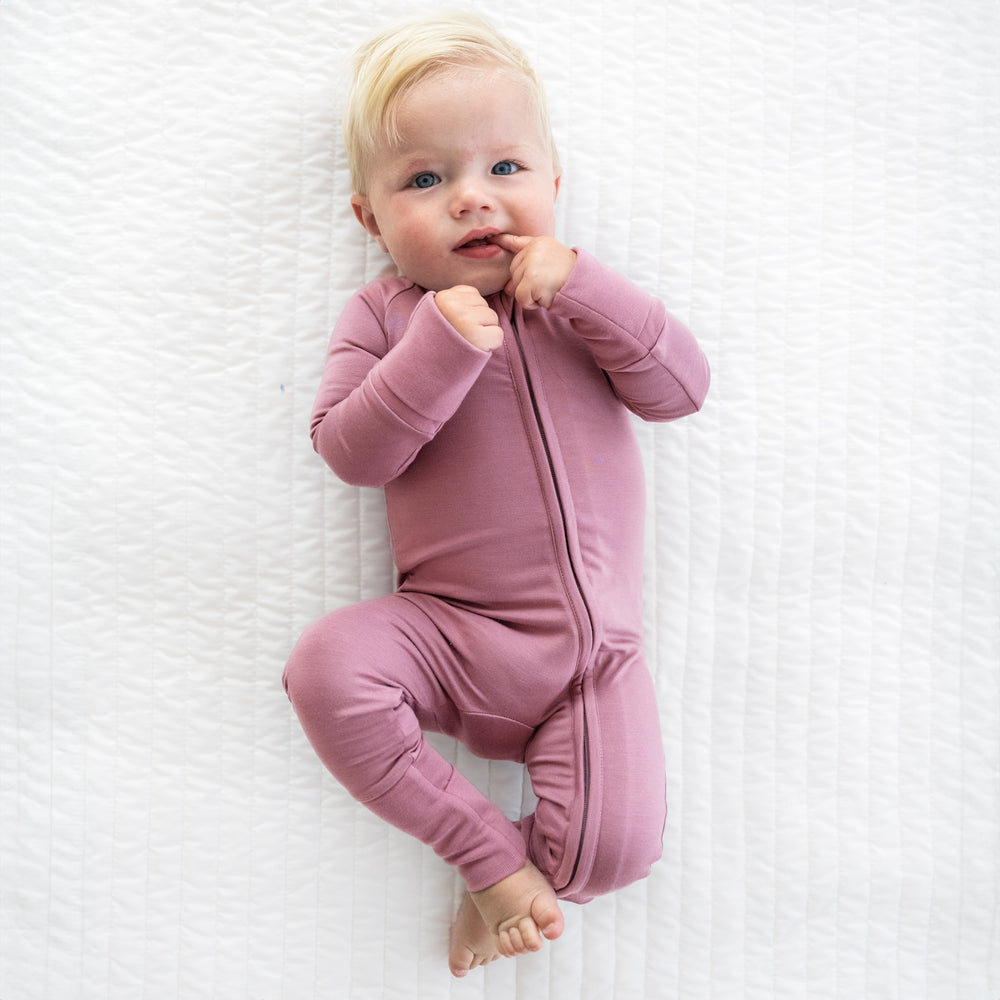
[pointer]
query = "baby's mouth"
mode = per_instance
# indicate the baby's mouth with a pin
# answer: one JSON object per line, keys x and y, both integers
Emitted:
{"x": 476, "y": 239}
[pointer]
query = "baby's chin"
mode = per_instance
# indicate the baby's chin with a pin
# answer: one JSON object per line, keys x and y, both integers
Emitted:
{"x": 489, "y": 290}
{"x": 485, "y": 289}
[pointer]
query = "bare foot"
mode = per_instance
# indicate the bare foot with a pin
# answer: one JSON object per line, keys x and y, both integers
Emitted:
{"x": 472, "y": 944}
{"x": 520, "y": 910}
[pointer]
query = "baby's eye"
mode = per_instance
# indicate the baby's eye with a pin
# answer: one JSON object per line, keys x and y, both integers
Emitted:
{"x": 426, "y": 179}
{"x": 506, "y": 167}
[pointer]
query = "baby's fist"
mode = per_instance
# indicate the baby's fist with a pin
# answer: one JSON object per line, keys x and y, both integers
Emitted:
{"x": 470, "y": 315}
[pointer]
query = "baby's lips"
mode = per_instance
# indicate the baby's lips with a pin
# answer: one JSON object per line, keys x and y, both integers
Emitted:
{"x": 477, "y": 238}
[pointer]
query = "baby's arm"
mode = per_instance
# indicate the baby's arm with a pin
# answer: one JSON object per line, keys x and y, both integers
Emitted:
{"x": 383, "y": 397}
{"x": 653, "y": 362}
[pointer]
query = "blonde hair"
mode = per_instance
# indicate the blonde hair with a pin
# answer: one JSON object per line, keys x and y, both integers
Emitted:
{"x": 394, "y": 61}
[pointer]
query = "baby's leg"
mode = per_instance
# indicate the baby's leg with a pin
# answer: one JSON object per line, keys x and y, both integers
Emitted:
{"x": 597, "y": 768}
{"x": 363, "y": 680}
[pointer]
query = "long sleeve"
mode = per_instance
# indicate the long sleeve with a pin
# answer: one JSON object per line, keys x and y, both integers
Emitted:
{"x": 389, "y": 384}
{"x": 653, "y": 362}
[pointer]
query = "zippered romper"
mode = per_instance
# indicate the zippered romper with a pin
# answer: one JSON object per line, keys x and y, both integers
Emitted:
{"x": 515, "y": 496}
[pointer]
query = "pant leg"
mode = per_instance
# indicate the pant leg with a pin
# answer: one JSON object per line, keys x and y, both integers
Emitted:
{"x": 364, "y": 682}
{"x": 597, "y": 768}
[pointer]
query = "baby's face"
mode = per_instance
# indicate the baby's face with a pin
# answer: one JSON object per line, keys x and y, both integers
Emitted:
{"x": 471, "y": 162}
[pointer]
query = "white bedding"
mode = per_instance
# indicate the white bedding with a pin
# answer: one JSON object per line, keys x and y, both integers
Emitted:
{"x": 812, "y": 186}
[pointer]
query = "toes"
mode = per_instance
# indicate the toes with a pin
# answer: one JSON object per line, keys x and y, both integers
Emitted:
{"x": 461, "y": 963}
{"x": 520, "y": 937}
{"x": 530, "y": 938}
{"x": 548, "y": 917}
{"x": 504, "y": 944}
{"x": 509, "y": 942}
{"x": 461, "y": 969}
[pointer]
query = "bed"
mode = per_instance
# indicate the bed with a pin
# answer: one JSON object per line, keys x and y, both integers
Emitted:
{"x": 812, "y": 187}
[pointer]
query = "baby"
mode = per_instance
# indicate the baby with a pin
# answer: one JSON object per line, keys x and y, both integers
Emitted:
{"x": 488, "y": 389}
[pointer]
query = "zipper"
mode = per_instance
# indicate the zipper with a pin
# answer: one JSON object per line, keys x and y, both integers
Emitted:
{"x": 589, "y": 628}
{"x": 576, "y": 581}
{"x": 586, "y": 790}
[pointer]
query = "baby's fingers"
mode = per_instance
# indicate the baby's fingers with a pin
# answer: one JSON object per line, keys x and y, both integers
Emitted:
{"x": 529, "y": 291}
{"x": 510, "y": 242}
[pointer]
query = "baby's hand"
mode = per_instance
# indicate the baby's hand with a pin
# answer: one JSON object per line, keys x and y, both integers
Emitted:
{"x": 470, "y": 314}
{"x": 539, "y": 269}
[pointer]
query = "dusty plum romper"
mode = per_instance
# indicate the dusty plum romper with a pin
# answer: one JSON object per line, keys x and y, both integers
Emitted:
{"x": 515, "y": 496}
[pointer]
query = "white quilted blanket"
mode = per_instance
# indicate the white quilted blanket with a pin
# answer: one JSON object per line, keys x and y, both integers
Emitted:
{"x": 813, "y": 187}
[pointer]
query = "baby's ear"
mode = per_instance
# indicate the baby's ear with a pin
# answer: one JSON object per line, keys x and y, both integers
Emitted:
{"x": 364, "y": 214}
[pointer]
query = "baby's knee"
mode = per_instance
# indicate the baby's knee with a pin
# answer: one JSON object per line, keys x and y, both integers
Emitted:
{"x": 626, "y": 849}
{"x": 329, "y": 672}
{"x": 351, "y": 715}
{"x": 312, "y": 662}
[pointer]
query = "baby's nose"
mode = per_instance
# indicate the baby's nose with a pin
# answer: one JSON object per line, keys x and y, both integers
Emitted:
{"x": 471, "y": 196}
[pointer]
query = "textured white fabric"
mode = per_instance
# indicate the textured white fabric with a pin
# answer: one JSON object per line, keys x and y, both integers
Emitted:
{"x": 812, "y": 187}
